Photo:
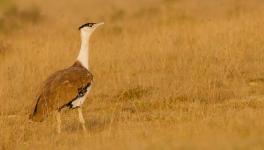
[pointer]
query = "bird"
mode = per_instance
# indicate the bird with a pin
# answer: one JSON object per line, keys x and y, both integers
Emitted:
{"x": 67, "y": 88}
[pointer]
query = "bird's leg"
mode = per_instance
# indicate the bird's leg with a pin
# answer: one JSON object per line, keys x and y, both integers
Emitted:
{"x": 82, "y": 121}
{"x": 58, "y": 117}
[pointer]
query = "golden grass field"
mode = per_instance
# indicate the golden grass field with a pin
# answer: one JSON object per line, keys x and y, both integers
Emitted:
{"x": 169, "y": 74}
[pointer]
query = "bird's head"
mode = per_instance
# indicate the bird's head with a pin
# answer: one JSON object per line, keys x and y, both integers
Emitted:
{"x": 88, "y": 28}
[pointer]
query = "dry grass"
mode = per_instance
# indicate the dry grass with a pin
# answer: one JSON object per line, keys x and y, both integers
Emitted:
{"x": 168, "y": 74}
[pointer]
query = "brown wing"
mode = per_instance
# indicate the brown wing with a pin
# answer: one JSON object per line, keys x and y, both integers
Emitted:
{"x": 60, "y": 89}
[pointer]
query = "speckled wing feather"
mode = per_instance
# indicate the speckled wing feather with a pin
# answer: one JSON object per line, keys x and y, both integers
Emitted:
{"x": 60, "y": 89}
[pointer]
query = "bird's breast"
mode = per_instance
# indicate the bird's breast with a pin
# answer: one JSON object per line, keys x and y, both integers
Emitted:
{"x": 81, "y": 98}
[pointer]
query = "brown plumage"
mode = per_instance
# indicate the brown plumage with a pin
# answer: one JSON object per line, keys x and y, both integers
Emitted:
{"x": 61, "y": 89}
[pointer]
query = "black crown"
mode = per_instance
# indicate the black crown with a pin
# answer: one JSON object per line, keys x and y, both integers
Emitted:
{"x": 86, "y": 25}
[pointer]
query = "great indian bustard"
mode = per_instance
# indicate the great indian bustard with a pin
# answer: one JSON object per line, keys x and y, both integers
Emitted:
{"x": 68, "y": 87}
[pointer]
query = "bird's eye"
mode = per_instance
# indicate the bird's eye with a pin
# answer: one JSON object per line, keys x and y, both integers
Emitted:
{"x": 91, "y": 24}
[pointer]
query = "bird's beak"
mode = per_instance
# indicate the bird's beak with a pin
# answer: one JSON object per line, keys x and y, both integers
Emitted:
{"x": 98, "y": 24}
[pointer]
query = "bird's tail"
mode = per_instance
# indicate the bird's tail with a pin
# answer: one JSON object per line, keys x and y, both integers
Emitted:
{"x": 37, "y": 115}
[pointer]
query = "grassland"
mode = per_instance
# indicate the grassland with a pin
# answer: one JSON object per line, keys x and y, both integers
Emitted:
{"x": 169, "y": 74}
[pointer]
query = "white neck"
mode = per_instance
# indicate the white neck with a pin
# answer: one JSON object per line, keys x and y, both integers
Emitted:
{"x": 83, "y": 56}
